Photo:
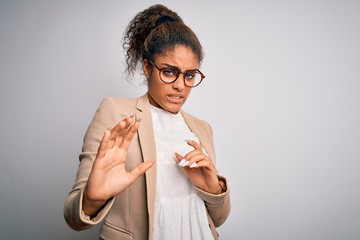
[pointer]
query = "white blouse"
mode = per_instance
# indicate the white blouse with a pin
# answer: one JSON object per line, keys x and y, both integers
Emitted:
{"x": 179, "y": 211}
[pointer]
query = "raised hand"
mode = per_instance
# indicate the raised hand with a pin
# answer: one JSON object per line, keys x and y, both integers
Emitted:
{"x": 108, "y": 176}
{"x": 200, "y": 169}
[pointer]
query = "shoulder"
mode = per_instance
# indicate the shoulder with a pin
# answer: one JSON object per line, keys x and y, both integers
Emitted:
{"x": 113, "y": 102}
{"x": 111, "y": 110}
{"x": 203, "y": 131}
{"x": 118, "y": 105}
{"x": 198, "y": 121}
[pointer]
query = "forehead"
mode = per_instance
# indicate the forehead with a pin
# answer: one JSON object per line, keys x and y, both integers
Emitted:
{"x": 180, "y": 56}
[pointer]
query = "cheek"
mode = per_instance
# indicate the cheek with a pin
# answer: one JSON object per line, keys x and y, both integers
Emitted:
{"x": 187, "y": 92}
{"x": 151, "y": 81}
{"x": 155, "y": 88}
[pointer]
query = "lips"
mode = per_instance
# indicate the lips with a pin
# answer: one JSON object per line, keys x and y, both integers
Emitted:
{"x": 175, "y": 98}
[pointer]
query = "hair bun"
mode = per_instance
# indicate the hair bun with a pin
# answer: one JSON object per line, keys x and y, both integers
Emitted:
{"x": 164, "y": 19}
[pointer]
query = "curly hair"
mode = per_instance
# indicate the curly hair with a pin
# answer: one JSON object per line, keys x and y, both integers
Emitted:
{"x": 154, "y": 31}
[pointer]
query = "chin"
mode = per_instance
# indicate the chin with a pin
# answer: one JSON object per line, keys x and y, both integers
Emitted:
{"x": 173, "y": 109}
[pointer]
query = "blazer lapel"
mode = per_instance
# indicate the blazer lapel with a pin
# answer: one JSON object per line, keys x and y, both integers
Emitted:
{"x": 194, "y": 127}
{"x": 148, "y": 148}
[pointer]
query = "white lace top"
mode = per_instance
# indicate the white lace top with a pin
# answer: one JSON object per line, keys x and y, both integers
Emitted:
{"x": 179, "y": 212}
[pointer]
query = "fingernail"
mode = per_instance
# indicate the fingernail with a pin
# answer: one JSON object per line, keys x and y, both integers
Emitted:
{"x": 182, "y": 162}
{"x": 205, "y": 153}
{"x": 139, "y": 119}
{"x": 193, "y": 165}
{"x": 186, "y": 163}
{"x": 132, "y": 115}
{"x": 187, "y": 140}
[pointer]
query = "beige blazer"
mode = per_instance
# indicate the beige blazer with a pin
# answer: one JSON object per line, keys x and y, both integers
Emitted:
{"x": 130, "y": 214}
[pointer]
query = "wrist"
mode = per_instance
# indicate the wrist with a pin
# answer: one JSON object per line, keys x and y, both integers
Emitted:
{"x": 222, "y": 186}
{"x": 90, "y": 206}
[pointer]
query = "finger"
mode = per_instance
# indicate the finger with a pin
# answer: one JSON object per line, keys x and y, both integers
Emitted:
{"x": 189, "y": 158}
{"x": 123, "y": 124}
{"x": 205, "y": 164}
{"x": 193, "y": 154}
{"x": 194, "y": 144}
{"x": 178, "y": 157}
{"x": 193, "y": 159}
{"x": 182, "y": 161}
{"x": 130, "y": 134}
{"x": 118, "y": 130}
{"x": 110, "y": 144}
{"x": 200, "y": 164}
{"x": 141, "y": 169}
{"x": 121, "y": 128}
{"x": 198, "y": 149}
{"x": 129, "y": 121}
{"x": 117, "y": 142}
{"x": 104, "y": 144}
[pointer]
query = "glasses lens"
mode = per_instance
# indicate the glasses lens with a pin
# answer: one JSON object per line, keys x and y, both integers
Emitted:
{"x": 168, "y": 75}
{"x": 192, "y": 79}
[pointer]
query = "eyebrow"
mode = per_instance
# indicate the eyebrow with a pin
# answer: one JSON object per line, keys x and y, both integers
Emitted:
{"x": 178, "y": 69}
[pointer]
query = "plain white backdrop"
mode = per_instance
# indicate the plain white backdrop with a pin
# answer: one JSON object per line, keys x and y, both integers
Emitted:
{"x": 281, "y": 93}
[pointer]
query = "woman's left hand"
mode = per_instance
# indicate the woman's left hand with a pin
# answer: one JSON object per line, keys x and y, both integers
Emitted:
{"x": 200, "y": 169}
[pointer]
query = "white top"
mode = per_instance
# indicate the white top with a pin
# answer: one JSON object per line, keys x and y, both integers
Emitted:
{"x": 179, "y": 211}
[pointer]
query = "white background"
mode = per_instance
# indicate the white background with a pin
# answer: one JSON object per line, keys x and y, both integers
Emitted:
{"x": 281, "y": 93}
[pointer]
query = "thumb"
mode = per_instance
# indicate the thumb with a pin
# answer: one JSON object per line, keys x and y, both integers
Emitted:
{"x": 141, "y": 169}
{"x": 178, "y": 157}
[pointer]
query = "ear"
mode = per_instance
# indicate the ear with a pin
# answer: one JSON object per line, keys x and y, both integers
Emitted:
{"x": 147, "y": 69}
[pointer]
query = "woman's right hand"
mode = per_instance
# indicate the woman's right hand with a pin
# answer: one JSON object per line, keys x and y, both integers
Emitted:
{"x": 108, "y": 176}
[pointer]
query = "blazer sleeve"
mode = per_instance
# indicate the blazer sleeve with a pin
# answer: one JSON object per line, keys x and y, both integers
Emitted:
{"x": 218, "y": 206}
{"x": 73, "y": 213}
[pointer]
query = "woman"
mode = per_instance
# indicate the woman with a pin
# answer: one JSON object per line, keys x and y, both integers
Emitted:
{"x": 151, "y": 175}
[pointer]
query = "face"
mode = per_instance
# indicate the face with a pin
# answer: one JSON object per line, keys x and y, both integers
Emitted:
{"x": 170, "y": 96}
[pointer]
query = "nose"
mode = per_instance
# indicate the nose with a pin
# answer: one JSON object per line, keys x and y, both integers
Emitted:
{"x": 179, "y": 84}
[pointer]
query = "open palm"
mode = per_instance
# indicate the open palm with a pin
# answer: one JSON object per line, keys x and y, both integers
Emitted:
{"x": 108, "y": 176}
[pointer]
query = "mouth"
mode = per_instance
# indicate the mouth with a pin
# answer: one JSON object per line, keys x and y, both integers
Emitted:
{"x": 175, "y": 98}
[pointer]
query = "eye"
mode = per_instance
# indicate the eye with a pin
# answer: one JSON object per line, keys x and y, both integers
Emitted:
{"x": 190, "y": 76}
{"x": 168, "y": 72}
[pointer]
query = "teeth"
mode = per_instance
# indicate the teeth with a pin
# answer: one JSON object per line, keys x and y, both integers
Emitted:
{"x": 175, "y": 97}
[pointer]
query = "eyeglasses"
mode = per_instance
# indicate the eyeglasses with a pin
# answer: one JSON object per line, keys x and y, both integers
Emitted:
{"x": 169, "y": 75}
